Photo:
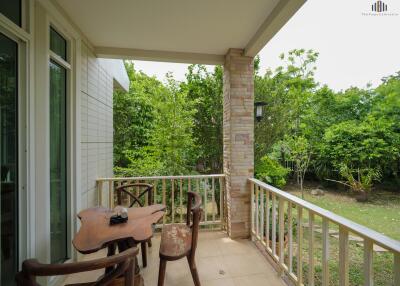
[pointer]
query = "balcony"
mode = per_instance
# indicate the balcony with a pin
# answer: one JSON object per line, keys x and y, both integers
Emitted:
{"x": 220, "y": 261}
{"x": 292, "y": 241}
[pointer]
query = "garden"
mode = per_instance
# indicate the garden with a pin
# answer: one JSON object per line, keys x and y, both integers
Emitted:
{"x": 337, "y": 149}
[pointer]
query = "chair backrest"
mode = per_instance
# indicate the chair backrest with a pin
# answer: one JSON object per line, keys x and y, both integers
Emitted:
{"x": 193, "y": 217}
{"x": 123, "y": 263}
{"x": 143, "y": 190}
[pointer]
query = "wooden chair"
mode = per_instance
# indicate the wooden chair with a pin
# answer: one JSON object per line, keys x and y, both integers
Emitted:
{"x": 148, "y": 189}
{"x": 180, "y": 240}
{"x": 123, "y": 264}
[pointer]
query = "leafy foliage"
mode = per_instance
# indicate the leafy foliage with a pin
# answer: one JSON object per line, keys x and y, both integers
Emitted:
{"x": 308, "y": 129}
{"x": 313, "y": 130}
{"x": 205, "y": 90}
{"x": 362, "y": 182}
{"x": 271, "y": 172}
{"x": 153, "y": 128}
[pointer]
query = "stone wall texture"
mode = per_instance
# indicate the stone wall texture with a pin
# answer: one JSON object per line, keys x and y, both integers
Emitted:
{"x": 238, "y": 140}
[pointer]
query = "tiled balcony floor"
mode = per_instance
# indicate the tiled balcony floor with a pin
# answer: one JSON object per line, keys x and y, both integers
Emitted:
{"x": 220, "y": 261}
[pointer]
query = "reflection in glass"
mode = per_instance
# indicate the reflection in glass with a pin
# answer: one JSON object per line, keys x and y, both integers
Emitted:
{"x": 58, "y": 185}
{"x": 12, "y": 10}
{"x": 58, "y": 44}
{"x": 8, "y": 159}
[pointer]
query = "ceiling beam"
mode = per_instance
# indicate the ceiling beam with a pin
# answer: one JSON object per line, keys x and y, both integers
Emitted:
{"x": 158, "y": 56}
{"x": 281, "y": 14}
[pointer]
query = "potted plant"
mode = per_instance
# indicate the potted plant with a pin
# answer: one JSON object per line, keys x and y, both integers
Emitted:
{"x": 361, "y": 183}
{"x": 286, "y": 230}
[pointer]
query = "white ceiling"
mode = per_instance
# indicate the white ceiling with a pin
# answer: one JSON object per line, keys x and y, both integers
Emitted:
{"x": 186, "y": 26}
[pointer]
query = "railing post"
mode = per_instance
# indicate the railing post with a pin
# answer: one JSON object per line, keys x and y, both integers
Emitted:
{"x": 262, "y": 232}
{"x": 180, "y": 202}
{"x": 173, "y": 200}
{"x": 213, "y": 200}
{"x": 343, "y": 256}
{"x": 290, "y": 229}
{"x": 252, "y": 206}
{"x": 205, "y": 201}
{"x": 396, "y": 268}
{"x": 100, "y": 192}
{"x": 281, "y": 231}
{"x": 273, "y": 225}
{"x": 155, "y": 191}
{"x": 221, "y": 202}
{"x": 311, "y": 248}
{"x": 299, "y": 245}
{"x": 267, "y": 219}
{"x": 163, "y": 198}
{"x": 368, "y": 258}
{"x": 256, "y": 212}
{"x": 325, "y": 252}
{"x": 111, "y": 193}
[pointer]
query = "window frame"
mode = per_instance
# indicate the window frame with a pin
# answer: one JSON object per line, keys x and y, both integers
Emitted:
{"x": 66, "y": 64}
{"x": 25, "y": 125}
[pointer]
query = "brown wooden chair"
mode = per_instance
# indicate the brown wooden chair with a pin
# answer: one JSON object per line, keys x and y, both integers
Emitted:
{"x": 122, "y": 273}
{"x": 180, "y": 240}
{"x": 144, "y": 189}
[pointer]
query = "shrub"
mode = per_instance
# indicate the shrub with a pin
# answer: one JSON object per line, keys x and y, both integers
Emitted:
{"x": 271, "y": 172}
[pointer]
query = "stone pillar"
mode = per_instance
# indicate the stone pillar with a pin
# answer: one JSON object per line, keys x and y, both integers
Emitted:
{"x": 238, "y": 140}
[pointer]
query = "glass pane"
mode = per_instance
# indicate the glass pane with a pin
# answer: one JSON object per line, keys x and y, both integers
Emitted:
{"x": 58, "y": 184}
{"x": 8, "y": 159}
{"x": 12, "y": 10}
{"x": 58, "y": 44}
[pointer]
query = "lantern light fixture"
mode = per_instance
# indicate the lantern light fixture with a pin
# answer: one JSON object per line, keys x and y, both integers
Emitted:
{"x": 259, "y": 106}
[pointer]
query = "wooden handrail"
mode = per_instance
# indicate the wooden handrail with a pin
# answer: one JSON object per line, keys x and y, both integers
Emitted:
{"x": 261, "y": 190}
{"x": 171, "y": 191}
{"x": 161, "y": 177}
{"x": 363, "y": 231}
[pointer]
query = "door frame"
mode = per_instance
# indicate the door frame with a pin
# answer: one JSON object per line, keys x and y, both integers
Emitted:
{"x": 25, "y": 135}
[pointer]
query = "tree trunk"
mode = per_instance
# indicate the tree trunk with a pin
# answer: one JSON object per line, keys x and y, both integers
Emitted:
{"x": 301, "y": 188}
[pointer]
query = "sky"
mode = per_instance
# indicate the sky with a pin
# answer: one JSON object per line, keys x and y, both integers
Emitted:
{"x": 354, "y": 49}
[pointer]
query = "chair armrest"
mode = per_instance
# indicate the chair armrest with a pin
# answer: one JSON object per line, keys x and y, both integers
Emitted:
{"x": 32, "y": 267}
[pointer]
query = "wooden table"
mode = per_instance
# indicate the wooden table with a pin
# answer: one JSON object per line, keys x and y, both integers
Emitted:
{"x": 97, "y": 233}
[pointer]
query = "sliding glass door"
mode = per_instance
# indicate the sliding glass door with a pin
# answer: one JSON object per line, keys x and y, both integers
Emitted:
{"x": 58, "y": 151}
{"x": 8, "y": 159}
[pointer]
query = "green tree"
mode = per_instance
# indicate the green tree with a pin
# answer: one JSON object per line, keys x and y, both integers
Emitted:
{"x": 133, "y": 114}
{"x": 367, "y": 144}
{"x": 204, "y": 90}
{"x": 287, "y": 92}
{"x": 299, "y": 151}
{"x": 152, "y": 128}
{"x": 271, "y": 172}
{"x": 171, "y": 136}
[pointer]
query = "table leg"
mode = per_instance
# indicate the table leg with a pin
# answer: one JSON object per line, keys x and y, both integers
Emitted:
{"x": 123, "y": 245}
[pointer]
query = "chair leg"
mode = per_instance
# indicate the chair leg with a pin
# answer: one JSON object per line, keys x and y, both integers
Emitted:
{"x": 144, "y": 253}
{"x": 110, "y": 252}
{"x": 130, "y": 274}
{"x": 149, "y": 244}
{"x": 193, "y": 270}
{"x": 161, "y": 272}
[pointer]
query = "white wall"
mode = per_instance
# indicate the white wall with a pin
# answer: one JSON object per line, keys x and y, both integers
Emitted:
{"x": 96, "y": 125}
{"x": 90, "y": 124}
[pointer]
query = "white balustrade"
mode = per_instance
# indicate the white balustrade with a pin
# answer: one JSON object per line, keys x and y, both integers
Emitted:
{"x": 262, "y": 206}
{"x": 172, "y": 192}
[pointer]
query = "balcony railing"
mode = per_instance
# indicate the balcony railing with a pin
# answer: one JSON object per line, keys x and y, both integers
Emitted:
{"x": 274, "y": 216}
{"x": 172, "y": 192}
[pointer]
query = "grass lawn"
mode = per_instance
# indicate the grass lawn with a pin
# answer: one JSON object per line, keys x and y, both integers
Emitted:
{"x": 382, "y": 214}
